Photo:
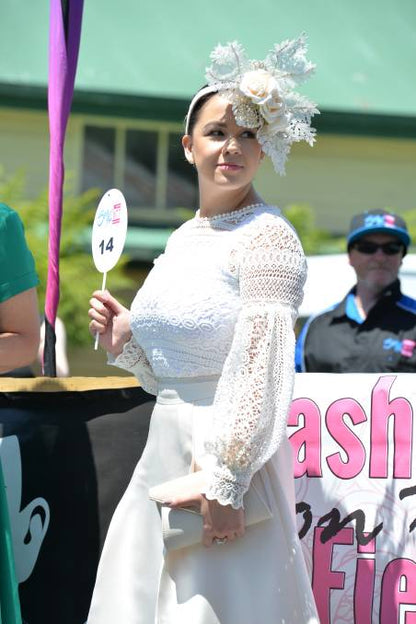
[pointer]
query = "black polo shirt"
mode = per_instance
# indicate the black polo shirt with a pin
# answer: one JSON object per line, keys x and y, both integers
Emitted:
{"x": 339, "y": 340}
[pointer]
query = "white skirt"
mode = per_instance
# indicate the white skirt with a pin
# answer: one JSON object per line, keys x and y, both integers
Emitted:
{"x": 258, "y": 579}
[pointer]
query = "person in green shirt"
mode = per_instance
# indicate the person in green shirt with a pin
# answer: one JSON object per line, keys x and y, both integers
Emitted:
{"x": 19, "y": 341}
{"x": 19, "y": 317}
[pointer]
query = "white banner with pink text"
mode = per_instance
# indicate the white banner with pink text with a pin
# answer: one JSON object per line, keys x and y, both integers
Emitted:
{"x": 353, "y": 440}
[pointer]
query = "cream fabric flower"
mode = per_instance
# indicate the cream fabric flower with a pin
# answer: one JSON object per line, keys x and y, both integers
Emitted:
{"x": 258, "y": 85}
{"x": 274, "y": 112}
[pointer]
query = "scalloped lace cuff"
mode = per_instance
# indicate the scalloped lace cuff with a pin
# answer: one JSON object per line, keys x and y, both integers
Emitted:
{"x": 226, "y": 489}
{"x": 128, "y": 358}
{"x": 133, "y": 359}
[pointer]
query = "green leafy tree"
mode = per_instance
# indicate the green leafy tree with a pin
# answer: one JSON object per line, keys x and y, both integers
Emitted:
{"x": 313, "y": 239}
{"x": 78, "y": 276}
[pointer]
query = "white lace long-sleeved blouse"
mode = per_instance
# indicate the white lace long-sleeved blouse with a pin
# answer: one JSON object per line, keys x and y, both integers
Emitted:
{"x": 222, "y": 300}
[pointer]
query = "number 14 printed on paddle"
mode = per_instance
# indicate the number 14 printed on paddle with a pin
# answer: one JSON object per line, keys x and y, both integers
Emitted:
{"x": 107, "y": 247}
{"x": 108, "y": 234}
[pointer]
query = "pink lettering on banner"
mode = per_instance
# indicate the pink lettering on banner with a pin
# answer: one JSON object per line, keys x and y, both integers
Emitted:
{"x": 398, "y": 588}
{"x": 355, "y": 579}
{"x": 347, "y": 440}
{"x": 364, "y": 591}
{"x": 308, "y": 438}
{"x": 369, "y": 548}
{"x": 116, "y": 214}
{"x": 382, "y": 409}
{"x": 364, "y": 583}
{"x": 324, "y": 578}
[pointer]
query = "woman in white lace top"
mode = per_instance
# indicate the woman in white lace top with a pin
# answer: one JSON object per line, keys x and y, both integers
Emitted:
{"x": 211, "y": 334}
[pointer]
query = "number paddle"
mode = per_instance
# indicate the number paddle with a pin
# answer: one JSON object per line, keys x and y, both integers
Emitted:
{"x": 108, "y": 234}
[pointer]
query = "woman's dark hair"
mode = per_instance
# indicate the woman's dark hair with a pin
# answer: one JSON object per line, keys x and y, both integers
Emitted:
{"x": 194, "y": 114}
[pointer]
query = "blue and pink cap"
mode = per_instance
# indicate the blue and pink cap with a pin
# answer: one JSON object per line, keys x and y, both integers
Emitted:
{"x": 378, "y": 222}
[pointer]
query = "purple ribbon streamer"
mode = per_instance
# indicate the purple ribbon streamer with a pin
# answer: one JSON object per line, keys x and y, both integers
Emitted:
{"x": 64, "y": 38}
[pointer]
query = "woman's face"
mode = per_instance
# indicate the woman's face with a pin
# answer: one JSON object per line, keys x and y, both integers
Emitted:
{"x": 223, "y": 153}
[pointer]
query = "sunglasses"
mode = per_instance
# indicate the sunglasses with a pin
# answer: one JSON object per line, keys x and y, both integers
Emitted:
{"x": 368, "y": 248}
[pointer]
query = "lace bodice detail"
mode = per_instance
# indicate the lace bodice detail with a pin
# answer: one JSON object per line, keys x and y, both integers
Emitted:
{"x": 222, "y": 300}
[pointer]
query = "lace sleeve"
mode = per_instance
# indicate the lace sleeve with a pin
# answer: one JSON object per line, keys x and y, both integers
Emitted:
{"x": 134, "y": 360}
{"x": 255, "y": 388}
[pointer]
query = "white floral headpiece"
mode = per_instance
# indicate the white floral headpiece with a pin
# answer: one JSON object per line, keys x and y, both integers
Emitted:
{"x": 262, "y": 95}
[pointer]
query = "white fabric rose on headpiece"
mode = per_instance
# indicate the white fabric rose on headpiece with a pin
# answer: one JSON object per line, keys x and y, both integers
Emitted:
{"x": 274, "y": 112}
{"x": 262, "y": 89}
{"x": 262, "y": 95}
{"x": 258, "y": 85}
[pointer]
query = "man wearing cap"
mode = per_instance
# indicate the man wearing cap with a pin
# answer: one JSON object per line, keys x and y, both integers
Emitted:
{"x": 373, "y": 329}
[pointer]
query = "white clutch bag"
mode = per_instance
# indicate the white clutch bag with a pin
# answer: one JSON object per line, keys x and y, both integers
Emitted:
{"x": 183, "y": 527}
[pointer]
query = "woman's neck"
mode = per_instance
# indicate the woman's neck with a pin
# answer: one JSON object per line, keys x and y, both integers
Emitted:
{"x": 220, "y": 203}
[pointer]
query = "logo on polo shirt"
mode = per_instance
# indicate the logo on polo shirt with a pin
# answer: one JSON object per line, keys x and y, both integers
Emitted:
{"x": 404, "y": 347}
{"x": 375, "y": 221}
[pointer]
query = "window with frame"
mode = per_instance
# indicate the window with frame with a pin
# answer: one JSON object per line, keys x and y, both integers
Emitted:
{"x": 146, "y": 163}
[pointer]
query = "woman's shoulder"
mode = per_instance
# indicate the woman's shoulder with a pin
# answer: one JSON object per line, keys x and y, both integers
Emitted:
{"x": 180, "y": 232}
{"x": 176, "y": 238}
{"x": 262, "y": 220}
{"x": 269, "y": 226}
{"x": 270, "y": 214}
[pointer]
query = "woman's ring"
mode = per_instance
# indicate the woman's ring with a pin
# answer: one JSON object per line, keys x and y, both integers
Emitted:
{"x": 220, "y": 540}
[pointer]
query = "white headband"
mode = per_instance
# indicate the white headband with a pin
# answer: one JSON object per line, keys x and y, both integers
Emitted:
{"x": 201, "y": 93}
{"x": 262, "y": 94}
